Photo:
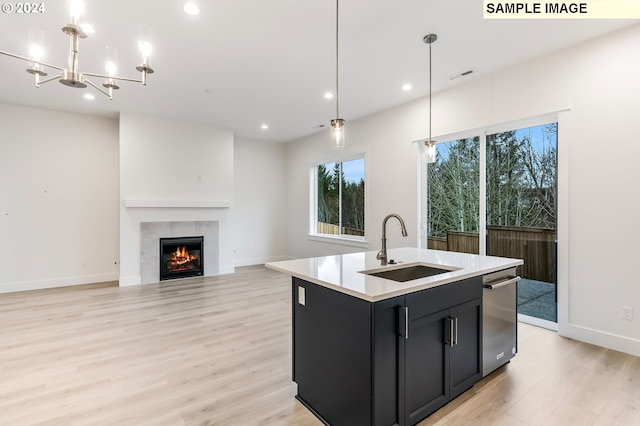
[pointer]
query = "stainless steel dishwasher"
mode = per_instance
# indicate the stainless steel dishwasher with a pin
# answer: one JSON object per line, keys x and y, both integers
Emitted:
{"x": 499, "y": 319}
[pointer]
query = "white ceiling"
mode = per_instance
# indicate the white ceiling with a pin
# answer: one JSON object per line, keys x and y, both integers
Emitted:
{"x": 241, "y": 63}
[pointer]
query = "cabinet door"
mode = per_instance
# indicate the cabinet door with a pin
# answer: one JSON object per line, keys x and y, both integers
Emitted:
{"x": 388, "y": 350}
{"x": 332, "y": 354}
{"x": 466, "y": 352}
{"x": 426, "y": 366}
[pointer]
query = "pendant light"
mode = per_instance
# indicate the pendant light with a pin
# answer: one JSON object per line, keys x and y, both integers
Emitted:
{"x": 430, "y": 144}
{"x": 337, "y": 124}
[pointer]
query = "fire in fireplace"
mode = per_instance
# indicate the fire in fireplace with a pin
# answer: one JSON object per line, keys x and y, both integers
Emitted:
{"x": 181, "y": 257}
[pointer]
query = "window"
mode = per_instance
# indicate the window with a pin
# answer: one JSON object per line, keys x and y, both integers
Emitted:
{"x": 340, "y": 198}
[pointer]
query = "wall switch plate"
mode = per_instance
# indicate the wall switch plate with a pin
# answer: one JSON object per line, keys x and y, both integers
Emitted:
{"x": 302, "y": 298}
{"x": 627, "y": 313}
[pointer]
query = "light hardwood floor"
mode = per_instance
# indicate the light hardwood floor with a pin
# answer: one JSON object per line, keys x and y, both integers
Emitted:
{"x": 217, "y": 351}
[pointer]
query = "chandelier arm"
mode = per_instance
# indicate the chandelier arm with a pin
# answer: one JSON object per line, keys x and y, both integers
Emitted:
{"x": 55, "y": 77}
{"x": 24, "y": 58}
{"x": 113, "y": 78}
{"x": 99, "y": 89}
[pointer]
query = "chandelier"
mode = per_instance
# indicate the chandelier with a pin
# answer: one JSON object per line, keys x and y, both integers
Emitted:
{"x": 71, "y": 76}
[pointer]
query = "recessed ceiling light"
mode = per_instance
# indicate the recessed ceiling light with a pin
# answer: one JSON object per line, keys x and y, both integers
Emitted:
{"x": 264, "y": 126}
{"x": 328, "y": 95}
{"x": 89, "y": 96}
{"x": 407, "y": 87}
{"x": 191, "y": 9}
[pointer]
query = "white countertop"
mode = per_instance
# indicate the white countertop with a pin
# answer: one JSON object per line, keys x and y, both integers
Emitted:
{"x": 343, "y": 272}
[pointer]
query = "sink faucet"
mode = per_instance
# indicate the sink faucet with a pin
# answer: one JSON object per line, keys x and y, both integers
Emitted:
{"x": 382, "y": 254}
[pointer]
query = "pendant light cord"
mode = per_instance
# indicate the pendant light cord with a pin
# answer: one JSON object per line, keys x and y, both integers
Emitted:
{"x": 337, "y": 95}
{"x": 429, "y": 92}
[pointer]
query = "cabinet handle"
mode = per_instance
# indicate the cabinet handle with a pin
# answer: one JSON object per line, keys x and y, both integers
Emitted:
{"x": 455, "y": 331}
{"x": 494, "y": 285}
{"x": 406, "y": 322}
{"x": 451, "y": 331}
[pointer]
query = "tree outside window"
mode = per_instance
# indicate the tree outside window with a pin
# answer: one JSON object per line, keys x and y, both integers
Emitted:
{"x": 454, "y": 188}
{"x": 521, "y": 177}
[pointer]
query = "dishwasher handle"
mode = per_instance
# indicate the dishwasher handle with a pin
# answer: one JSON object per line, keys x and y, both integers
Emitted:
{"x": 496, "y": 285}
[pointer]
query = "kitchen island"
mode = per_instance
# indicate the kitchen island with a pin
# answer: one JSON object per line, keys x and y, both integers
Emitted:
{"x": 369, "y": 350}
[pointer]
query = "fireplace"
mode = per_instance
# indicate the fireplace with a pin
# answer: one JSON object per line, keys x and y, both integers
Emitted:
{"x": 181, "y": 257}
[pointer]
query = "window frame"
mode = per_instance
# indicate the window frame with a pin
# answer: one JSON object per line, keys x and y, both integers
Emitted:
{"x": 350, "y": 154}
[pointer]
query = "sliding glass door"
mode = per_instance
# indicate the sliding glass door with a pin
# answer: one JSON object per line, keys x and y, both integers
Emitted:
{"x": 496, "y": 194}
{"x": 521, "y": 211}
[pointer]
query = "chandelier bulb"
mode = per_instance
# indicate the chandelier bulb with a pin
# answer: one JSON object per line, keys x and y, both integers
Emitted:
{"x": 144, "y": 43}
{"x": 76, "y": 9}
{"x": 111, "y": 63}
{"x": 36, "y": 44}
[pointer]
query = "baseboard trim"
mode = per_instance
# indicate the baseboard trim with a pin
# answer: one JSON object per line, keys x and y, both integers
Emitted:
{"x": 224, "y": 270}
{"x": 56, "y": 282}
{"x": 601, "y": 338}
{"x": 129, "y": 281}
{"x": 259, "y": 260}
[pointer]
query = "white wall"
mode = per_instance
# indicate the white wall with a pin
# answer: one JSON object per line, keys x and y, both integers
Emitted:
{"x": 259, "y": 210}
{"x": 598, "y": 232}
{"x": 58, "y": 198}
{"x": 175, "y": 165}
{"x": 163, "y": 159}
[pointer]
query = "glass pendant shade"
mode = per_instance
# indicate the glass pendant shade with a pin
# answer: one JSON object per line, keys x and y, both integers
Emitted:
{"x": 430, "y": 152}
{"x": 337, "y": 133}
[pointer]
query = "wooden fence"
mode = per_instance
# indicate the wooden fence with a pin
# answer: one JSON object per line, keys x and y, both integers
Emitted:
{"x": 327, "y": 228}
{"x": 536, "y": 246}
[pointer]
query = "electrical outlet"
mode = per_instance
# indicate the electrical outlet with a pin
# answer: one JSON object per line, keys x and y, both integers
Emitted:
{"x": 302, "y": 299}
{"x": 627, "y": 313}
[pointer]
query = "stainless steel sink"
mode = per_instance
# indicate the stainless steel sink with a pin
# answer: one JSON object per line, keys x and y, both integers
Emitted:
{"x": 408, "y": 273}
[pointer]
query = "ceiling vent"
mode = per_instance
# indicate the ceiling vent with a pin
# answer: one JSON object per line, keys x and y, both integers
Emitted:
{"x": 462, "y": 74}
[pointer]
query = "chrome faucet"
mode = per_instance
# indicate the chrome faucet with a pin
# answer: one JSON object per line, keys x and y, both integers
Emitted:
{"x": 382, "y": 254}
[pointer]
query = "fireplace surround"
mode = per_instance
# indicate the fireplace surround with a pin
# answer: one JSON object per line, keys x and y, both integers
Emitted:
{"x": 150, "y": 233}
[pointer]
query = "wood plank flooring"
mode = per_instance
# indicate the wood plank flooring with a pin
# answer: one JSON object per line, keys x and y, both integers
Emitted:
{"x": 217, "y": 351}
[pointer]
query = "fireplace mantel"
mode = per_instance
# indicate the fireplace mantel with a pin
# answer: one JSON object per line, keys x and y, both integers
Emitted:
{"x": 177, "y": 203}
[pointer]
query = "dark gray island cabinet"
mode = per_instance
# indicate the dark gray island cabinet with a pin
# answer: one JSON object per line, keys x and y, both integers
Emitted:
{"x": 388, "y": 362}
